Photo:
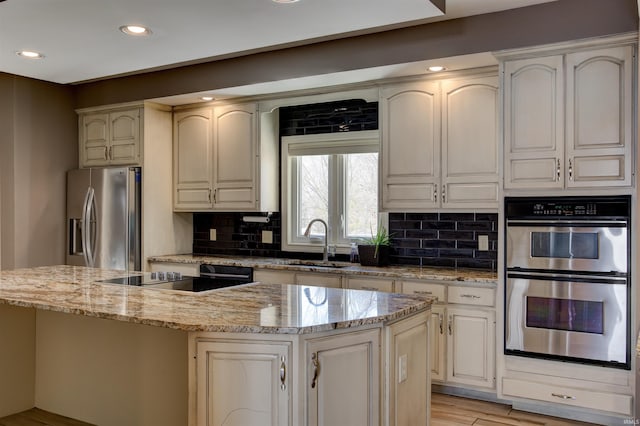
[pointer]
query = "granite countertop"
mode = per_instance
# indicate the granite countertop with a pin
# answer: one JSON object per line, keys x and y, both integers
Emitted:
{"x": 393, "y": 271}
{"x": 250, "y": 308}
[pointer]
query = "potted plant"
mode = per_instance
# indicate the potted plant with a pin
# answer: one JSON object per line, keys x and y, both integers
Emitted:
{"x": 374, "y": 251}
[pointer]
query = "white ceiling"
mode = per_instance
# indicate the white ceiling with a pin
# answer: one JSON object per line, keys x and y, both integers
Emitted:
{"x": 81, "y": 41}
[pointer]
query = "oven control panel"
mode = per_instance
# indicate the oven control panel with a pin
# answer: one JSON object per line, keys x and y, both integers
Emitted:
{"x": 562, "y": 207}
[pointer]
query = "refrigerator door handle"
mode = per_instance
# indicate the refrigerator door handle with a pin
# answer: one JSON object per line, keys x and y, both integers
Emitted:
{"x": 88, "y": 228}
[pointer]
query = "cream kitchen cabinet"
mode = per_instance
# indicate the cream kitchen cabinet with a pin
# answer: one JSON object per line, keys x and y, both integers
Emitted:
{"x": 243, "y": 382}
{"x": 110, "y": 137}
{"x": 369, "y": 283}
{"x": 462, "y": 334}
{"x": 568, "y": 119}
{"x": 440, "y": 144}
{"x": 220, "y": 162}
{"x": 297, "y": 277}
{"x": 343, "y": 379}
{"x": 192, "y": 146}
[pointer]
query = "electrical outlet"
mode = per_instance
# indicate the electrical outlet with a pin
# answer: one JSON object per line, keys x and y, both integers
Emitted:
{"x": 267, "y": 237}
{"x": 483, "y": 242}
{"x": 212, "y": 234}
{"x": 402, "y": 368}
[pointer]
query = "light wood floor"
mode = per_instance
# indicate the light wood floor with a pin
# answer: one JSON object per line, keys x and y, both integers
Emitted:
{"x": 37, "y": 417}
{"x": 447, "y": 410}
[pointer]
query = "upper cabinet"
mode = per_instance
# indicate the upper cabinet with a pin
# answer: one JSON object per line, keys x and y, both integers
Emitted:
{"x": 568, "y": 120}
{"x": 110, "y": 137}
{"x": 220, "y": 162}
{"x": 440, "y": 144}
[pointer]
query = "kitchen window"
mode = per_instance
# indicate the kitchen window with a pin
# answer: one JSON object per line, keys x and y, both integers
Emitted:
{"x": 333, "y": 177}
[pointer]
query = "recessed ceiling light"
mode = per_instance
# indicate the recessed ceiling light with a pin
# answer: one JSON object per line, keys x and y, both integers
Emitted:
{"x": 206, "y": 98}
{"x": 135, "y": 30}
{"x": 285, "y": 1}
{"x": 436, "y": 68}
{"x": 30, "y": 54}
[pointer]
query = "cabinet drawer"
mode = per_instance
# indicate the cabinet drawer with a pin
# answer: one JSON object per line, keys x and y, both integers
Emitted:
{"x": 429, "y": 289}
{"x": 472, "y": 295}
{"x": 615, "y": 403}
{"x": 370, "y": 284}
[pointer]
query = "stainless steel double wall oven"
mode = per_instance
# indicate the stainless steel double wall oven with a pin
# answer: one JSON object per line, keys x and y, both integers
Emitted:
{"x": 568, "y": 279}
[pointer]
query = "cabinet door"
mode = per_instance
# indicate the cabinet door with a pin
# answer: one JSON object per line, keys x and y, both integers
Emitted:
{"x": 319, "y": 279}
{"x": 343, "y": 379}
{"x": 274, "y": 277}
{"x": 124, "y": 137}
{"x": 470, "y": 346}
{"x": 234, "y": 156}
{"x": 192, "y": 160}
{"x": 410, "y": 156}
{"x": 437, "y": 346}
{"x": 534, "y": 123}
{"x": 242, "y": 383}
{"x": 94, "y": 140}
{"x": 599, "y": 117}
{"x": 373, "y": 284}
{"x": 470, "y": 143}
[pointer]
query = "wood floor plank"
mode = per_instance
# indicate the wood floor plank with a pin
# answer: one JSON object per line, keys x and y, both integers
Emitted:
{"x": 454, "y": 410}
{"x": 38, "y": 417}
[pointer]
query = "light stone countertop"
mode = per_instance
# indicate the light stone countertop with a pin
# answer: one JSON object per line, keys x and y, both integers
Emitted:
{"x": 250, "y": 308}
{"x": 392, "y": 271}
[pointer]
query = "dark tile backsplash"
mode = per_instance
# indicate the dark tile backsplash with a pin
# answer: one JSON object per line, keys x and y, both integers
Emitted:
{"x": 421, "y": 239}
{"x": 444, "y": 239}
{"x": 329, "y": 117}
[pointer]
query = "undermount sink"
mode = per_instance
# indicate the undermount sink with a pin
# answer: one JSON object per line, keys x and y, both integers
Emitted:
{"x": 319, "y": 264}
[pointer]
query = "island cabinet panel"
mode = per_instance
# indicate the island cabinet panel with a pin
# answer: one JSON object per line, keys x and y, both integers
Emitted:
{"x": 243, "y": 383}
{"x": 410, "y": 157}
{"x": 274, "y": 277}
{"x": 192, "y": 132}
{"x": 343, "y": 379}
{"x": 110, "y": 137}
{"x": 369, "y": 283}
{"x": 437, "y": 348}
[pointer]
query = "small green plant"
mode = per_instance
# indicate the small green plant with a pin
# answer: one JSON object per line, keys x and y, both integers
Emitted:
{"x": 380, "y": 238}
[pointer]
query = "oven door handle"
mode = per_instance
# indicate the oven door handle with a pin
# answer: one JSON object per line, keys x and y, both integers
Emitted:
{"x": 579, "y": 223}
{"x": 216, "y": 275}
{"x": 546, "y": 276}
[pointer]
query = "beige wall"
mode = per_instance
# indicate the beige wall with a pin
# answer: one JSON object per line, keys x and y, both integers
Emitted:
{"x": 111, "y": 373}
{"x": 38, "y": 144}
{"x": 561, "y": 20}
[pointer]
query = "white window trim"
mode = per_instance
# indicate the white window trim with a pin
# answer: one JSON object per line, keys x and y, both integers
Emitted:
{"x": 326, "y": 143}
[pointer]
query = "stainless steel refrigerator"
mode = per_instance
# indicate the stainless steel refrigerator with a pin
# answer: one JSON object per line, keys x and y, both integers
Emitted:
{"x": 103, "y": 218}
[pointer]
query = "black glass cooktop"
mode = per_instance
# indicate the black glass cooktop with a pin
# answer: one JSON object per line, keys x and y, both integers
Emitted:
{"x": 184, "y": 283}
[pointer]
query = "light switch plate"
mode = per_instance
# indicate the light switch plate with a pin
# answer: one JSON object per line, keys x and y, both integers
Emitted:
{"x": 267, "y": 237}
{"x": 483, "y": 242}
{"x": 212, "y": 234}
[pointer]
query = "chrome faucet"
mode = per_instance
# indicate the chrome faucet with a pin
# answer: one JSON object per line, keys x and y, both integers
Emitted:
{"x": 325, "y": 252}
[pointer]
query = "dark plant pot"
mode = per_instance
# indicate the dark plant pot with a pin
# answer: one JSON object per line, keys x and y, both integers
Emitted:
{"x": 369, "y": 257}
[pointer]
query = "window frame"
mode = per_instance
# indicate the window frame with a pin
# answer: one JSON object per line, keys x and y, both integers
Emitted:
{"x": 320, "y": 144}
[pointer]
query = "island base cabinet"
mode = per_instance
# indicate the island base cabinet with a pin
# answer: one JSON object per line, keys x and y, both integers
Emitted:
{"x": 242, "y": 383}
{"x": 343, "y": 379}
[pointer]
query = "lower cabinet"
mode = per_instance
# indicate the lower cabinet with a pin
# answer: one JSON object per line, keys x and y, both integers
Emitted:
{"x": 243, "y": 383}
{"x": 370, "y": 375}
{"x": 300, "y": 278}
{"x": 437, "y": 345}
{"x": 471, "y": 346}
{"x": 344, "y": 383}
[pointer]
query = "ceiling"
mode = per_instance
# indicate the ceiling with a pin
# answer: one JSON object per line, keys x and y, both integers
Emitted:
{"x": 81, "y": 41}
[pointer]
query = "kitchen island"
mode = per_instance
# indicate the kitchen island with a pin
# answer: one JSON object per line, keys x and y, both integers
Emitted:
{"x": 256, "y": 353}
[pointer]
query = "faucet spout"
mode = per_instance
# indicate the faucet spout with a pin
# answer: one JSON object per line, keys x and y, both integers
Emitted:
{"x": 325, "y": 252}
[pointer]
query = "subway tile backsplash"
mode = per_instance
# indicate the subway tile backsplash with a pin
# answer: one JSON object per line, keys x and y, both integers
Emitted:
{"x": 444, "y": 239}
{"x": 423, "y": 239}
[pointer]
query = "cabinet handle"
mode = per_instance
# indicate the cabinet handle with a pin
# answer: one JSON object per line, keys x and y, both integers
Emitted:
{"x": 215, "y": 192}
{"x": 110, "y": 157}
{"x": 558, "y": 170}
{"x": 449, "y": 325}
{"x": 435, "y": 193}
{"x": 562, "y": 396}
{"x": 570, "y": 169}
{"x": 470, "y": 296}
{"x": 106, "y": 153}
{"x": 316, "y": 369}
{"x": 444, "y": 194}
{"x": 422, "y": 292}
{"x": 209, "y": 195}
{"x": 364, "y": 287}
{"x": 440, "y": 318}
{"x": 283, "y": 374}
